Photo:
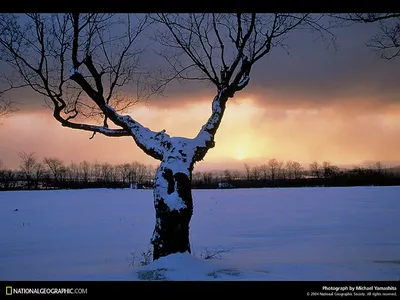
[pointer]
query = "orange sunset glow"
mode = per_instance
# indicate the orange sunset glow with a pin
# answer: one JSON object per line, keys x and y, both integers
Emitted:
{"x": 302, "y": 134}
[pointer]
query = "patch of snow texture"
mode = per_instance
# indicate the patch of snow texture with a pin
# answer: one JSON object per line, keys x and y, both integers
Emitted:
{"x": 73, "y": 71}
{"x": 184, "y": 266}
{"x": 174, "y": 202}
{"x": 328, "y": 234}
{"x": 143, "y": 135}
{"x": 177, "y": 162}
{"x": 203, "y": 137}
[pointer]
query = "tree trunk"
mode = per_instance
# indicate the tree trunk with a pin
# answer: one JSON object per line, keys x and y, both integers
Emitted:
{"x": 174, "y": 207}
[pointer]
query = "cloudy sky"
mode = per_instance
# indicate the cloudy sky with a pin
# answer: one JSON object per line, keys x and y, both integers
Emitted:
{"x": 313, "y": 103}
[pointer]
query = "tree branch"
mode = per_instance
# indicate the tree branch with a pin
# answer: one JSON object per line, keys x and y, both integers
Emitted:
{"x": 97, "y": 129}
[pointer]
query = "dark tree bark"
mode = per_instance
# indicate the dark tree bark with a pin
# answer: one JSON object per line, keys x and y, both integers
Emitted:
{"x": 173, "y": 203}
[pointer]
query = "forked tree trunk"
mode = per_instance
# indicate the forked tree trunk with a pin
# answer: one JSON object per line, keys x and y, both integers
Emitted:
{"x": 174, "y": 208}
{"x": 173, "y": 200}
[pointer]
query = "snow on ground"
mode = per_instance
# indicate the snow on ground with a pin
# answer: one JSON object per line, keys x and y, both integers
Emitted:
{"x": 265, "y": 234}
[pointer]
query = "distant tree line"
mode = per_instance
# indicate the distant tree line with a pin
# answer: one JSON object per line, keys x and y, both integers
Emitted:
{"x": 276, "y": 173}
{"x": 53, "y": 173}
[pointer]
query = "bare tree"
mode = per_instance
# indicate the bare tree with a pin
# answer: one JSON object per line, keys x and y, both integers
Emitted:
{"x": 141, "y": 173}
{"x": 84, "y": 167}
{"x": 326, "y": 168}
{"x": 151, "y": 173}
{"x": 208, "y": 177}
{"x": 39, "y": 172}
{"x": 273, "y": 166}
{"x": 74, "y": 171}
{"x": 96, "y": 171}
{"x": 78, "y": 64}
{"x": 196, "y": 178}
{"x": 236, "y": 175}
{"x": 228, "y": 176}
{"x": 329, "y": 170}
{"x": 7, "y": 178}
{"x": 315, "y": 169}
{"x": 133, "y": 172}
{"x": 113, "y": 174}
{"x": 123, "y": 170}
{"x": 296, "y": 169}
{"x": 27, "y": 166}
{"x": 387, "y": 41}
{"x": 105, "y": 171}
{"x": 264, "y": 172}
{"x": 255, "y": 173}
{"x": 281, "y": 170}
{"x": 378, "y": 167}
{"x": 289, "y": 169}
{"x": 56, "y": 167}
{"x": 247, "y": 171}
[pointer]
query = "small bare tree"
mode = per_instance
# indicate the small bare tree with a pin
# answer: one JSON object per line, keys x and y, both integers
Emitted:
{"x": 273, "y": 165}
{"x": 281, "y": 170}
{"x": 74, "y": 171}
{"x": 105, "y": 171}
{"x": 84, "y": 168}
{"x": 96, "y": 171}
{"x": 264, "y": 172}
{"x": 56, "y": 167}
{"x": 123, "y": 171}
{"x": 297, "y": 168}
{"x": 141, "y": 172}
{"x": 78, "y": 63}
{"x": 256, "y": 173}
{"x": 208, "y": 177}
{"x": 329, "y": 170}
{"x": 28, "y": 166}
{"x": 247, "y": 171}
{"x": 39, "y": 173}
{"x": 315, "y": 169}
{"x": 228, "y": 176}
{"x": 379, "y": 168}
{"x": 289, "y": 169}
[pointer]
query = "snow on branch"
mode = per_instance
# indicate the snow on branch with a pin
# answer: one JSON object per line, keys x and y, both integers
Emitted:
{"x": 151, "y": 142}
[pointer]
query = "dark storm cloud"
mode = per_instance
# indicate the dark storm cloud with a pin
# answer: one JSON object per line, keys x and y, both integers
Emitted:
{"x": 310, "y": 74}
{"x": 313, "y": 73}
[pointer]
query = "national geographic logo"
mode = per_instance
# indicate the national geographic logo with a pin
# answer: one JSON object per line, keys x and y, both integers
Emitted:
{"x": 8, "y": 290}
{"x": 44, "y": 291}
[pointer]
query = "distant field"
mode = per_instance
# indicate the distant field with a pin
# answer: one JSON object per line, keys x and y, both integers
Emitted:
{"x": 284, "y": 234}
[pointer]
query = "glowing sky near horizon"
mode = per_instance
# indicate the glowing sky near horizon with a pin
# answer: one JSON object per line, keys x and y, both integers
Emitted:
{"x": 249, "y": 133}
{"x": 316, "y": 104}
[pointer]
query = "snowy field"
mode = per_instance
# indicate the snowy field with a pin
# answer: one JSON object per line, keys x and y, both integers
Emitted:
{"x": 265, "y": 234}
